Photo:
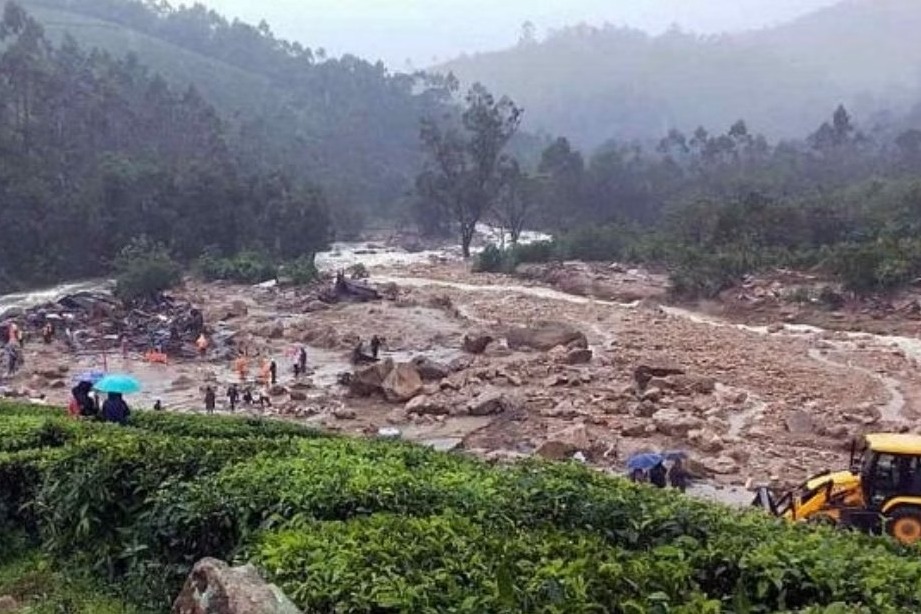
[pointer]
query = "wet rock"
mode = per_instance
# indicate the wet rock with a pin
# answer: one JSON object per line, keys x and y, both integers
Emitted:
{"x": 838, "y": 431}
{"x": 557, "y": 379}
{"x": 564, "y": 409}
{"x": 578, "y": 356}
{"x": 214, "y": 587}
{"x": 297, "y": 395}
{"x": 402, "y": 383}
{"x": 369, "y": 380}
{"x": 646, "y": 409}
{"x": 427, "y": 405}
{"x": 634, "y": 430}
{"x": 545, "y": 336}
{"x": 344, "y": 413}
{"x": 800, "y": 423}
{"x": 650, "y": 368}
{"x": 430, "y": 370}
{"x": 563, "y": 444}
{"x": 236, "y": 309}
{"x": 277, "y": 390}
{"x": 724, "y": 465}
{"x": 476, "y": 344}
{"x": 652, "y": 394}
{"x": 674, "y": 423}
{"x": 183, "y": 382}
{"x": 490, "y": 403}
{"x": 8, "y": 605}
{"x": 316, "y": 306}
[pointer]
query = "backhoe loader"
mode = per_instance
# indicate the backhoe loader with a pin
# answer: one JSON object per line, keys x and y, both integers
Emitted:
{"x": 880, "y": 492}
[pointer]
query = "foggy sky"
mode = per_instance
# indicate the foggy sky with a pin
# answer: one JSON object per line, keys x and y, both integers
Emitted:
{"x": 427, "y": 31}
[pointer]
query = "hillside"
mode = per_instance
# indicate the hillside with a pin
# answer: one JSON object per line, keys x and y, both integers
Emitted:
{"x": 597, "y": 83}
{"x": 345, "y": 525}
{"x": 349, "y": 125}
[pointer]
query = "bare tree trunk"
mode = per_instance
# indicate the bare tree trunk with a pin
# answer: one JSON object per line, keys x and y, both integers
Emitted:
{"x": 467, "y": 232}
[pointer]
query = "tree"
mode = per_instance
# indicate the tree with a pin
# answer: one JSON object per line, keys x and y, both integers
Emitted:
{"x": 462, "y": 174}
{"x": 515, "y": 200}
{"x": 144, "y": 270}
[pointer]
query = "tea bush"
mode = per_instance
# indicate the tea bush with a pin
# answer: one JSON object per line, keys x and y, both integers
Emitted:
{"x": 360, "y": 526}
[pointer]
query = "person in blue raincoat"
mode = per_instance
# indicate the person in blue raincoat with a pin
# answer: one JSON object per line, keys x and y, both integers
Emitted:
{"x": 115, "y": 409}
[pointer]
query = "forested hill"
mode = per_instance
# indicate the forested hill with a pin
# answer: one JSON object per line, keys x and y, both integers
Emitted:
{"x": 596, "y": 83}
{"x": 349, "y": 125}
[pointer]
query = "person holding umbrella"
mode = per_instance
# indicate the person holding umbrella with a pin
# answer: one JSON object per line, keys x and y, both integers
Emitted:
{"x": 115, "y": 409}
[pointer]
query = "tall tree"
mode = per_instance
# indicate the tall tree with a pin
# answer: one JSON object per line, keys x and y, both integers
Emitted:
{"x": 463, "y": 173}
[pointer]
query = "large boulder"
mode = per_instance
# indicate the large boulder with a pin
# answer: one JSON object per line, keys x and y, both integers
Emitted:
{"x": 800, "y": 423}
{"x": 402, "y": 383}
{"x": 648, "y": 369}
{"x": 675, "y": 423}
{"x": 428, "y": 406}
{"x": 545, "y": 336}
{"x": 430, "y": 370}
{"x": 214, "y": 587}
{"x": 476, "y": 344}
{"x": 563, "y": 444}
{"x": 578, "y": 356}
{"x": 367, "y": 381}
{"x": 490, "y": 403}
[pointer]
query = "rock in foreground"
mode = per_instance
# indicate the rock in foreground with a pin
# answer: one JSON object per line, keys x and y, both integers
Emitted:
{"x": 214, "y": 587}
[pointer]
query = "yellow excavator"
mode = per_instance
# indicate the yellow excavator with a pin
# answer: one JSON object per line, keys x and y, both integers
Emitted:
{"x": 881, "y": 492}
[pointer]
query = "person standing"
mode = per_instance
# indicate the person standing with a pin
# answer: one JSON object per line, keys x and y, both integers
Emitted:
{"x": 233, "y": 394}
{"x": 658, "y": 476}
{"x": 302, "y": 361}
{"x": 115, "y": 409}
{"x": 210, "y": 399}
{"x": 273, "y": 372}
{"x": 376, "y": 343}
{"x": 678, "y": 476}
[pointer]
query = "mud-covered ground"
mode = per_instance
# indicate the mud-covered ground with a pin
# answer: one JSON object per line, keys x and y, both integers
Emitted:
{"x": 775, "y": 398}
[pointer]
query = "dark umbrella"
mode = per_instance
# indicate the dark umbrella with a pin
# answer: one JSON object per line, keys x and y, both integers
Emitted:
{"x": 644, "y": 462}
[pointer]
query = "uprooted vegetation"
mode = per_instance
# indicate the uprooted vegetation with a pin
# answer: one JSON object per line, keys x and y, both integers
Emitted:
{"x": 367, "y": 526}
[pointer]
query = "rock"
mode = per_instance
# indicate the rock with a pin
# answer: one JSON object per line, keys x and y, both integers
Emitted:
{"x": 648, "y": 369}
{"x": 369, "y": 380}
{"x": 776, "y": 328}
{"x": 183, "y": 382}
{"x": 673, "y": 422}
{"x": 579, "y": 356}
{"x": 344, "y": 413}
{"x": 8, "y": 605}
{"x": 800, "y": 423}
{"x": 297, "y": 395}
{"x": 545, "y": 336}
{"x": 652, "y": 394}
{"x": 488, "y": 404}
{"x": 316, "y": 306}
{"x": 277, "y": 390}
{"x": 214, "y": 587}
{"x": 429, "y": 370}
{"x": 723, "y": 465}
{"x": 564, "y": 409}
{"x": 402, "y": 383}
{"x": 838, "y": 431}
{"x": 555, "y": 380}
{"x": 563, "y": 444}
{"x": 687, "y": 385}
{"x": 427, "y": 405}
{"x": 646, "y": 409}
{"x": 476, "y": 344}
{"x": 635, "y": 430}
{"x": 236, "y": 309}
{"x": 57, "y": 385}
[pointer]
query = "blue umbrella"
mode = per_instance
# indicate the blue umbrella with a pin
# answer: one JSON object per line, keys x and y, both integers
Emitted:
{"x": 644, "y": 462}
{"x": 122, "y": 384}
{"x": 92, "y": 377}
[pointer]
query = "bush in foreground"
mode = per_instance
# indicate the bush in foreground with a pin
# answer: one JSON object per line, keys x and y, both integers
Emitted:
{"x": 358, "y": 526}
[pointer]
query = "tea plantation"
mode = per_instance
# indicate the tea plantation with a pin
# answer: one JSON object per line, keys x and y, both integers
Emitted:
{"x": 102, "y": 519}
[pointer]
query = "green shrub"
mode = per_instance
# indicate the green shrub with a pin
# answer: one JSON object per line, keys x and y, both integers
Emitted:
{"x": 144, "y": 269}
{"x": 537, "y": 253}
{"x": 302, "y": 271}
{"x": 246, "y": 267}
{"x": 452, "y": 564}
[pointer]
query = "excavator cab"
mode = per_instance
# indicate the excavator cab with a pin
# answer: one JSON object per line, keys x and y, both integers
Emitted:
{"x": 880, "y": 492}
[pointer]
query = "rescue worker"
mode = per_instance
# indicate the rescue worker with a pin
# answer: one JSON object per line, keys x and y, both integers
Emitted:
{"x": 658, "y": 476}
{"x": 678, "y": 476}
{"x": 376, "y": 343}
{"x": 115, "y": 409}
{"x": 210, "y": 399}
{"x": 273, "y": 372}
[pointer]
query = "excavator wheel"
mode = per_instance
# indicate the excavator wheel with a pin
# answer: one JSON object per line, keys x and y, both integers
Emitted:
{"x": 905, "y": 525}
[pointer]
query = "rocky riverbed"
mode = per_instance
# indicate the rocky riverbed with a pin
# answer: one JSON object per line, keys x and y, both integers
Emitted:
{"x": 576, "y": 361}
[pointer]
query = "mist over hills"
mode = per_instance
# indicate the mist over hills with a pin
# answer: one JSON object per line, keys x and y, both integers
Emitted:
{"x": 596, "y": 83}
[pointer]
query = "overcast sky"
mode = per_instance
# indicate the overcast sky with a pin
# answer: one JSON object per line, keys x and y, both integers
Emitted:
{"x": 425, "y": 31}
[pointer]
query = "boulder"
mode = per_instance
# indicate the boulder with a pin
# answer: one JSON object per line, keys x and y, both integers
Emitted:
{"x": 489, "y": 403}
{"x": 674, "y": 423}
{"x": 687, "y": 385}
{"x": 298, "y": 395}
{"x": 430, "y": 370}
{"x": 646, "y": 409}
{"x": 426, "y": 405}
{"x": 545, "y": 336}
{"x": 214, "y": 587}
{"x": 316, "y": 306}
{"x": 369, "y": 380}
{"x": 344, "y": 413}
{"x": 579, "y": 356}
{"x": 564, "y": 409}
{"x": 236, "y": 309}
{"x": 648, "y": 369}
{"x": 800, "y": 423}
{"x": 476, "y": 344}
{"x": 402, "y": 383}
{"x": 563, "y": 444}
{"x": 8, "y": 605}
{"x": 724, "y": 465}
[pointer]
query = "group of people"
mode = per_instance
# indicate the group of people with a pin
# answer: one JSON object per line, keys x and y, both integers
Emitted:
{"x": 85, "y": 403}
{"x": 661, "y": 477}
{"x": 235, "y": 396}
{"x": 360, "y": 357}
